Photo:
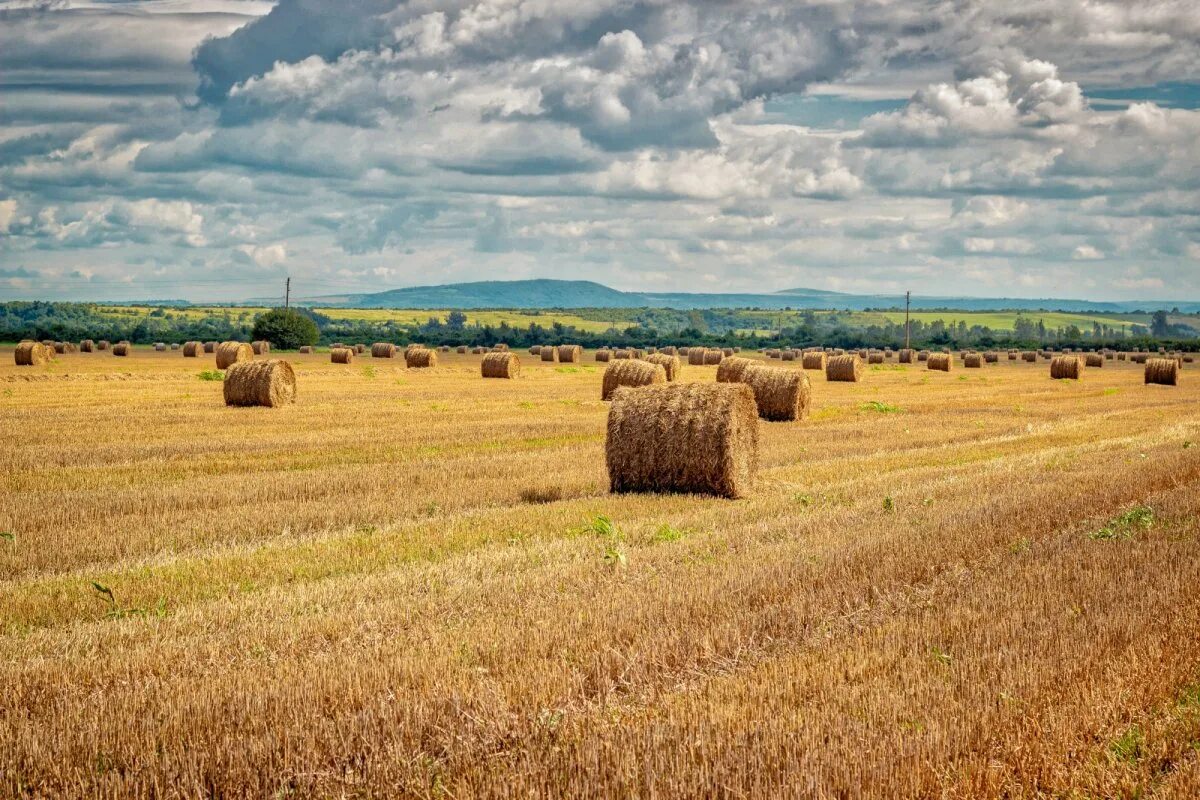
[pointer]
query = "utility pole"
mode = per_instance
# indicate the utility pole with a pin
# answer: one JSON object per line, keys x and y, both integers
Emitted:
{"x": 907, "y": 329}
{"x": 287, "y": 293}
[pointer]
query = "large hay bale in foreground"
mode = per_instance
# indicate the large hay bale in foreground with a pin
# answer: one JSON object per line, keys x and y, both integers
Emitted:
{"x": 603, "y": 356}
{"x": 260, "y": 383}
{"x": 122, "y": 349}
{"x": 549, "y": 353}
{"x": 230, "y": 353}
{"x": 570, "y": 353}
{"x": 781, "y": 395}
{"x": 942, "y": 362}
{"x": 87, "y": 346}
{"x": 683, "y": 437}
{"x": 730, "y": 369}
{"x": 973, "y": 361}
{"x": 814, "y": 361}
{"x": 383, "y": 350}
{"x": 193, "y": 349}
{"x": 420, "y": 358}
{"x": 670, "y": 364}
{"x": 631, "y": 372}
{"x": 32, "y": 354}
{"x": 1094, "y": 360}
{"x": 712, "y": 358}
{"x": 500, "y": 364}
{"x": 695, "y": 356}
{"x": 261, "y": 347}
{"x": 341, "y": 355}
{"x": 1066, "y": 367}
{"x": 1163, "y": 371}
{"x": 847, "y": 368}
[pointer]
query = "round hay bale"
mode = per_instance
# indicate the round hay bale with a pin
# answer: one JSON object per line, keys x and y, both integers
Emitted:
{"x": 815, "y": 360}
{"x": 942, "y": 362}
{"x": 210, "y": 347}
{"x": 696, "y": 356}
{"x": 160, "y": 347}
{"x": 1162, "y": 371}
{"x": 907, "y": 355}
{"x": 670, "y": 364}
{"x": 103, "y": 344}
{"x": 570, "y": 354}
{"x": 1066, "y": 368}
{"x": 1189, "y": 359}
{"x": 1122, "y": 356}
{"x": 260, "y": 347}
{"x": 420, "y": 358}
{"x": 1109, "y": 355}
{"x": 444, "y": 348}
{"x": 383, "y": 350}
{"x": 670, "y": 350}
{"x": 230, "y": 353}
{"x": 630, "y": 372}
{"x": 1029, "y": 356}
{"x": 991, "y": 357}
{"x": 787, "y": 355}
{"x": 500, "y": 364}
{"x": 536, "y": 350}
{"x": 500, "y": 347}
{"x": 49, "y": 343}
{"x": 730, "y": 369}
{"x": 726, "y": 352}
{"x": 549, "y": 353}
{"x": 306, "y": 349}
{"x": 863, "y": 354}
{"x": 32, "y": 354}
{"x": 260, "y": 383}
{"x": 121, "y": 349}
{"x": 193, "y": 349}
{"x": 359, "y": 349}
{"x": 712, "y": 357}
{"x": 1094, "y": 360}
{"x": 875, "y": 358}
{"x": 973, "y": 361}
{"x": 683, "y": 437}
{"x": 477, "y": 351}
{"x": 782, "y": 395}
{"x": 174, "y": 345}
{"x": 1140, "y": 358}
{"x": 603, "y": 356}
{"x": 87, "y": 346}
{"x": 461, "y": 349}
{"x": 847, "y": 368}
{"x": 923, "y": 356}
{"x": 621, "y": 355}
{"x": 341, "y": 355}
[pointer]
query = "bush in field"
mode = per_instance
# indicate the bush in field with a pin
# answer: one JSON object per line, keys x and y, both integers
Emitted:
{"x": 286, "y": 329}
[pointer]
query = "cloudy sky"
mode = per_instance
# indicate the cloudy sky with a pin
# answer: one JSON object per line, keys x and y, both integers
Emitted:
{"x": 204, "y": 149}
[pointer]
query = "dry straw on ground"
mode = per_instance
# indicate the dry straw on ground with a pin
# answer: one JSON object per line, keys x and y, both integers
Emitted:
{"x": 193, "y": 349}
{"x": 500, "y": 364}
{"x": 1163, "y": 371}
{"x": 260, "y": 383}
{"x": 383, "y": 350}
{"x": 420, "y": 357}
{"x": 32, "y": 354}
{"x": 570, "y": 353}
{"x": 230, "y": 353}
{"x": 683, "y": 437}
{"x": 632, "y": 372}
{"x": 670, "y": 364}
{"x": 730, "y": 369}
{"x": 782, "y": 395}
{"x": 341, "y": 355}
{"x": 846, "y": 368}
{"x": 1066, "y": 367}
{"x": 941, "y": 362}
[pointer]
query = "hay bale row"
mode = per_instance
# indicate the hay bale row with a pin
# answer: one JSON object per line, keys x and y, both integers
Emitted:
{"x": 683, "y": 437}
{"x": 193, "y": 349}
{"x": 1066, "y": 367}
{"x": 121, "y": 349}
{"x": 420, "y": 357}
{"x": 103, "y": 344}
{"x": 713, "y": 358}
{"x": 781, "y": 395}
{"x": 500, "y": 364}
{"x": 942, "y": 362}
{"x": 670, "y": 364}
{"x": 787, "y": 355}
{"x": 341, "y": 355}
{"x": 269, "y": 383}
{"x": 696, "y": 356}
{"x": 630, "y": 372}
{"x": 1162, "y": 371}
{"x": 845, "y": 368}
{"x": 1094, "y": 360}
{"x": 383, "y": 350}
{"x": 32, "y": 354}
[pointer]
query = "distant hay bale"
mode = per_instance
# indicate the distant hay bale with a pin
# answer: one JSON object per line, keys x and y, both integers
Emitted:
{"x": 847, "y": 368}
{"x": 306, "y": 349}
{"x": 1189, "y": 359}
{"x": 651, "y": 351}
{"x": 536, "y": 350}
{"x": 1013, "y": 355}
{"x": 781, "y": 395}
{"x": 65, "y": 347}
{"x": 1029, "y": 356}
{"x": 774, "y": 353}
{"x": 48, "y": 343}
{"x": 991, "y": 357}
{"x": 875, "y": 358}
{"x": 87, "y": 346}
{"x": 500, "y": 347}
{"x": 383, "y": 350}
{"x": 549, "y": 353}
{"x": 160, "y": 347}
{"x": 712, "y": 357}
{"x": 942, "y": 362}
{"x": 637, "y": 352}
{"x": 337, "y": 346}
{"x": 260, "y": 347}
{"x": 32, "y": 354}
{"x": 603, "y": 356}
{"x": 103, "y": 344}
{"x": 670, "y": 364}
{"x": 121, "y": 349}
{"x": 461, "y": 349}
{"x": 478, "y": 350}
{"x": 923, "y": 356}
{"x": 341, "y": 355}
{"x": 210, "y": 347}
{"x": 907, "y": 355}
{"x": 420, "y": 358}
{"x": 683, "y": 352}
{"x": 620, "y": 355}
{"x": 268, "y": 383}
{"x": 174, "y": 345}
{"x": 193, "y": 349}
{"x": 1066, "y": 367}
{"x": 570, "y": 354}
{"x": 1139, "y": 358}
{"x": 670, "y": 350}
{"x": 973, "y": 361}
{"x": 814, "y": 361}
{"x": 1108, "y": 355}
{"x": 683, "y": 437}
{"x": 726, "y": 352}
{"x": 631, "y": 372}
{"x": 787, "y": 355}
{"x": 1122, "y": 356}
{"x": 500, "y": 364}
{"x": 359, "y": 349}
{"x": 1094, "y": 360}
{"x": 1162, "y": 371}
{"x": 696, "y": 356}
{"x": 445, "y": 348}
{"x": 863, "y": 354}
{"x": 230, "y": 353}
{"x": 730, "y": 369}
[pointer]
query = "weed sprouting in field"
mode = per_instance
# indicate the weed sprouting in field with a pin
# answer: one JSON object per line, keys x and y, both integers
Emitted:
{"x": 211, "y": 375}
{"x": 880, "y": 407}
{"x": 889, "y": 504}
{"x": 8, "y": 536}
{"x": 668, "y": 533}
{"x": 1127, "y": 748}
{"x": 1126, "y": 525}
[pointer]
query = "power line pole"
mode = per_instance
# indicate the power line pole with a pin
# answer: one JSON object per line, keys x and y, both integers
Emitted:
{"x": 287, "y": 293}
{"x": 907, "y": 328}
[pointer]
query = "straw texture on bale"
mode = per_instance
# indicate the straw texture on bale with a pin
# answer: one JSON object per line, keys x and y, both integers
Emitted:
{"x": 991, "y": 357}
{"x": 1066, "y": 367}
{"x": 570, "y": 353}
{"x": 160, "y": 346}
{"x": 696, "y": 356}
{"x": 87, "y": 346}
{"x": 683, "y": 437}
{"x": 32, "y": 354}
{"x": 229, "y": 353}
{"x": 260, "y": 383}
{"x": 603, "y": 356}
{"x": 670, "y": 364}
{"x": 1094, "y": 360}
{"x": 549, "y": 353}
{"x": 1029, "y": 356}
{"x": 306, "y": 349}
{"x": 341, "y": 355}
{"x": 907, "y": 355}
{"x": 421, "y": 358}
{"x": 65, "y": 347}
{"x": 973, "y": 361}
{"x": 874, "y": 358}
{"x": 787, "y": 355}
{"x": 121, "y": 349}
{"x": 781, "y": 395}
{"x": 730, "y": 369}
{"x": 102, "y": 344}
{"x": 210, "y": 347}
{"x": 501, "y": 364}
{"x": 712, "y": 357}
{"x": 942, "y": 362}
{"x": 669, "y": 350}
{"x": 847, "y": 368}
{"x": 620, "y": 355}
{"x": 193, "y": 349}
{"x": 814, "y": 361}
{"x": 1163, "y": 371}
{"x": 632, "y": 372}
{"x": 383, "y": 350}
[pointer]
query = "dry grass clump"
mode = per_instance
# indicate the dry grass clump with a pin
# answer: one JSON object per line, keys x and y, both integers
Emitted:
{"x": 122, "y": 349}
{"x": 814, "y": 360}
{"x": 230, "y": 353}
{"x": 603, "y": 356}
{"x": 570, "y": 354}
{"x": 847, "y": 368}
{"x": 730, "y": 369}
{"x": 1066, "y": 367}
{"x": 549, "y": 353}
{"x": 1094, "y": 360}
{"x": 260, "y": 383}
{"x": 683, "y": 437}
{"x": 383, "y": 350}
{"x": 973, "y": 360}
{"x": 781, "y": 395}
{"x": 32, "y": 354}
{"x": 341, "y": 355}
{"x": 670, "y": 364}
{"x": 420, "y": 357}
{"x": 713, "y": 357}
{"x": 632, "y": 372}
{"x": 1162, "y": 371}
{"x": 193, "y": 349}
{"x": 500, "y": 364}
{"x": 87, "y": 346}
{"x": 942, "y": 362}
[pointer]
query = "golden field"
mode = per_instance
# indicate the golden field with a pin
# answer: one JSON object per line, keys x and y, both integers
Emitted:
{"x": 973, "y": 584}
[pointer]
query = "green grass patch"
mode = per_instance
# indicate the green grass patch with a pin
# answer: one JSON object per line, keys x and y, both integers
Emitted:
{"x": 880, "y": 407}
{"x": 211, "y": 375}
{"x": 1126, "y": 525}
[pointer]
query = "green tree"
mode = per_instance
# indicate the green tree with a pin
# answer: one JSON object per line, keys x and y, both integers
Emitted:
{"x": 286, "y": 329}
{"x": 456, "y": 320}
{"x": 1159, "y": 325}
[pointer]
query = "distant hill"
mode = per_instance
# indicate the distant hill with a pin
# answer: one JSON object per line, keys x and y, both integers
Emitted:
{"x": 548, "y": 293}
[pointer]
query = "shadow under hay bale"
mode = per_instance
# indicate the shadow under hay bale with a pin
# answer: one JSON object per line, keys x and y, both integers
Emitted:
{"x": 269, "y": 383}
{"x": 631, "y": 372}
{"x": 847, "y": 368}
{"x": 501, "y": 364}
{"x": 230, "y": 353}
{"x": 781, "y": 395}
{"x": 683, "y": 437}
{"x": 1162, "y": 371}
{"x": 670, "y": 364}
